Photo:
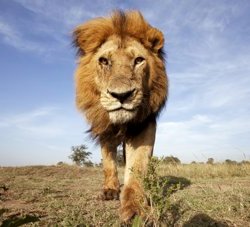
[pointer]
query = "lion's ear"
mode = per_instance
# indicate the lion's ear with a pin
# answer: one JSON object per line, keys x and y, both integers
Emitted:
{"x": 84, "y": 40}
{"x": 78, "y": 39}
{"x": 156, "y": 39}
{"x": 91, "y": 35}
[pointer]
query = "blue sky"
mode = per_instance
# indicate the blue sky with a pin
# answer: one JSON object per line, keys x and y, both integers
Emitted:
{"x": 208, "y": 63}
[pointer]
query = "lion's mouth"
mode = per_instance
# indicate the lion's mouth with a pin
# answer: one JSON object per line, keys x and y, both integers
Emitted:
{"x": 121, "y": 115}
{"x": 122, "y": 108}
{"x": 121, "y": 112}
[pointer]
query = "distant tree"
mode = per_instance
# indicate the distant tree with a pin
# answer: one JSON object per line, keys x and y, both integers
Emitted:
{"x": 60, "y": 163}
{"x": 193, "y": 162}
{"x": 210, "y": 161}
{"x": 80, "y": 155}
{"x": 100, "y": 164}
{"x": 171, "y": 160}
{"x": 230, "y": 162}
{"x": 89, "y": 164}
{"x": 245, "y": 162}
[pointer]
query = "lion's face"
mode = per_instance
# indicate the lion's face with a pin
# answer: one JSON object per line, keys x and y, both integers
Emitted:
{"x": 121, "y": 76}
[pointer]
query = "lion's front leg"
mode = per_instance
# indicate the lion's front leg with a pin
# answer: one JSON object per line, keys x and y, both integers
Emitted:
{"x": 111, "y": 186}
{"x": 138, "y": 152}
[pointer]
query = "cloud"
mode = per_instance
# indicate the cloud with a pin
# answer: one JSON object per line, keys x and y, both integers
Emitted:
{"x": 40, "y": 136}
{"x": 39, "y": 123}
{"x": 52, "y": 23}
{"x": 203, "y": 136}
{"x": 68, "y": 14}
{"x": 212, "y": 87}
{"x": 15, "y": 38}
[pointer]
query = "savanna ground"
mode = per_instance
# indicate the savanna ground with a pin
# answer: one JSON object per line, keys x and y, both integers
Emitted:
{"x": 63, "y": 195}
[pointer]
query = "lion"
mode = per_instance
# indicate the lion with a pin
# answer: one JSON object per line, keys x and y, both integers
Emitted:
{"x": 121, "y": 87}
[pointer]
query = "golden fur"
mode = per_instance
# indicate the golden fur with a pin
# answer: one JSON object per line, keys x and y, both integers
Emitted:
{"x": 121, "y": 86}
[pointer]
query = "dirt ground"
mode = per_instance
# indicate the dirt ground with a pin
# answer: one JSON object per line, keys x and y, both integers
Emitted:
{"x": 69, "y": 196}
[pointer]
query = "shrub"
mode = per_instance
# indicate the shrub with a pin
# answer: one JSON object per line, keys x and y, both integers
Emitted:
{"x": 171, "y": 160}
{"x": 80, "y": 155}
{"x": 157, "y": 190}
{"x": 230, "y": 162}
{"x": 210, "y": 161}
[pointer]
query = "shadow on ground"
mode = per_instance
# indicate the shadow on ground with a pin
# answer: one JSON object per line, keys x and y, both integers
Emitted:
{"x": 173, "y": 184}
{"x": 171, "y": 212}
{"x": 205, "y": 221}
{"x": 16, "y": 220}
{"x": 172, "y": 180}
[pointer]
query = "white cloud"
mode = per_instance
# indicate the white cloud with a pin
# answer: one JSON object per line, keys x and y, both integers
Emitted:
{"x": 48, "y": 32}
{"x": 203, "y": 136}
{"x": 41, "y": 136}
{"x": 47, "y": 122}
{"x": 6, "y": 30}
{"x": 14, "y": 38}
{"x": 68, "y": 14}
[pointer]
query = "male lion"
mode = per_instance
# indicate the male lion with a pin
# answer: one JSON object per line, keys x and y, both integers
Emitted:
{"x": 121, "y": 86}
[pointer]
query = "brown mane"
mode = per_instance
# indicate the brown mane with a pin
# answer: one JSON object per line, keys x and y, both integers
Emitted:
{"x": 89, "y": 37}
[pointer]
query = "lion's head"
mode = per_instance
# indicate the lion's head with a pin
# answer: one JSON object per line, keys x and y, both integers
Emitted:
{"x": 121, "y": 75}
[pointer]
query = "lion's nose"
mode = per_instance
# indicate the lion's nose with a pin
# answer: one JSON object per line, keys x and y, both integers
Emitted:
{"x": 121, "y": 96}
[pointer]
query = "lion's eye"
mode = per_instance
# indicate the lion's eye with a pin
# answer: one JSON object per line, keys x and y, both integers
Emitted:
{"x": 139, "y": 60}
{"x": 103, "y": 61}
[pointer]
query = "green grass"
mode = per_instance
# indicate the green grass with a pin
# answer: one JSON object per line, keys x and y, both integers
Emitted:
{"x": 209, "y": 195}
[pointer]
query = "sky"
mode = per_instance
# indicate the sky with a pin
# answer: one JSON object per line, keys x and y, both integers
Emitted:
{"x": 208, "y": 65}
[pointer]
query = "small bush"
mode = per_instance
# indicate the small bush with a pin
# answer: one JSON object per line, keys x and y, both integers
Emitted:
{"x": 210, "y": 161}
{"x": 61, "y": 163}
{"x": 157, "y": 190}
{"x": 230, "y": 162}
{"x": 171, "y": 160}
{"x": 80, "y": 155}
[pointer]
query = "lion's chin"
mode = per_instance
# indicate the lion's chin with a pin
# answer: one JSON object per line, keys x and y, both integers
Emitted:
{"x": 122, "y": 116}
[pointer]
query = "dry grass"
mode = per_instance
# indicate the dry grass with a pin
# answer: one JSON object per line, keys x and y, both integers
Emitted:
{"x": 219, "y": 195}
{"x": 201, "y": 171}
{"x": 220, "y": 192}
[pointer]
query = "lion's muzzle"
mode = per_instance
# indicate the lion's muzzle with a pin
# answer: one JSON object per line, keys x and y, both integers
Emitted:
{"x": 121, "y": 96}
{"x": 121, "y": 102}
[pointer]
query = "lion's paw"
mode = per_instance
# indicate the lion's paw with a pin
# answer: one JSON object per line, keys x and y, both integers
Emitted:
{"x": 110, "y": 194}
{"x": 128, "y": 212}
{"x": 132, "y": 199}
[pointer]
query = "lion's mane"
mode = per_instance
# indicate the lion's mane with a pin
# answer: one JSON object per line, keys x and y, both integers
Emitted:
{"x": 88, "y": 38}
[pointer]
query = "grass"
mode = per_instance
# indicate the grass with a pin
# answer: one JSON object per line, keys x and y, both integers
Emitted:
{"x": 208, "y": 195}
